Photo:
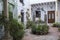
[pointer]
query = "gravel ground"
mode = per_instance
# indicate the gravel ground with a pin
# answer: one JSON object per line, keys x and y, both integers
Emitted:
{"x": 52, "y": 35}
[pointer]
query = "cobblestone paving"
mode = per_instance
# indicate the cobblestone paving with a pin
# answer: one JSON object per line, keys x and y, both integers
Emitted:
{"x": 52, "y": 35}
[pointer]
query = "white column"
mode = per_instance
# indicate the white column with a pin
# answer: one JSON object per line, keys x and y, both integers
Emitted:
{"x": 25, "y": 21}
{"x": 56, "y": 11}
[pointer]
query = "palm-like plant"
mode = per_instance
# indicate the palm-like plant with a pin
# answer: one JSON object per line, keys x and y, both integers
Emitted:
{"x": 6, "y": 20}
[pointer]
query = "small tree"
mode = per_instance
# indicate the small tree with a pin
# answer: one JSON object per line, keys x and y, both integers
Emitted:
{"x": 6, "y": 20}
{"x": 16, "y": 30}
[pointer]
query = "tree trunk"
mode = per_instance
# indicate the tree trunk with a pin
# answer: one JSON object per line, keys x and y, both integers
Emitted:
{"x": 6, "y": 16}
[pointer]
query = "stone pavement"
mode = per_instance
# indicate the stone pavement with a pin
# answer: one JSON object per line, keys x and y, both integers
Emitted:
{"x": 52, "y": 35}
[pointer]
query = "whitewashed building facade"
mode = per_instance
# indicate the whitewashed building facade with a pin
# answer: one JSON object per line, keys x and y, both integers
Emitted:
{"x": 23, "y": 7}
{"x": 50, "y": 8}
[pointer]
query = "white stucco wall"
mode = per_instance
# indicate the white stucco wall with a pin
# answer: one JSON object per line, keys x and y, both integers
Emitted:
{"x": 1, "y": 7}
{"x": 13, "y": 9}
{"x": 45, "y": 7}
{"x": 27, "y": 6}
{"x": 58, "y": 11}
{"x": 11, "y": 1}
{"x": 41, "y": 1}
{"x": 20, "y": 7}
{"x": 17, "y": 10}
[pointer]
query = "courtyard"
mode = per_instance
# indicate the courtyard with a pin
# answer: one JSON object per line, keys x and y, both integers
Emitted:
{"x": 30, "y": 20}
{"x": 52, "y": 35}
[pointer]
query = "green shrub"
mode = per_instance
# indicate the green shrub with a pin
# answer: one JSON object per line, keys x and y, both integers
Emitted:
{"x": 40, "y": 21}
{"x": 40, "y": 29}
{"x": 56, "y": 24}
{"x": 45, "y": 29}
{"x": 16, "y": 30}
{"x": 33, "y": 28}
{"x": 59, "y": 29}
{"x": 29, "y": 24}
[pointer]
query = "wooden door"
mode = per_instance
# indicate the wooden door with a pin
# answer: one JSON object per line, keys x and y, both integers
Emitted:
{"x": 51, "y": 16}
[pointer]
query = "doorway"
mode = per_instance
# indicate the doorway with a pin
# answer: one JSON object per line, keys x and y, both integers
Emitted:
{"x": 51, "y": 16}
{"x": 22, "y": 16}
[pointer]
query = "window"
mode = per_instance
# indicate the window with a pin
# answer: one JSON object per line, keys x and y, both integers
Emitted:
{"x": 21, "y": 1}
{"x": 38, "y": 14}
{"x": 22, "y": 16}
{"x": 52, "y": 15}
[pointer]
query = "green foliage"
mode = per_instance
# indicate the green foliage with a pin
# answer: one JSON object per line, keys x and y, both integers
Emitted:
{"x": 2, "y": 18}
{"x": 11, "y": 4}
{"x": 59, "y": 29}
{"x": 56, "y": 24}
{"x": 45, "y": 29}
{"x": 40, "y": 29}
{"x": 16, "y": 30}
{"x": 39, "y": 21}
{"x": 10, "y": 15}
{"x": 33, "y": 28}
{"x": 29, "y": 24}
